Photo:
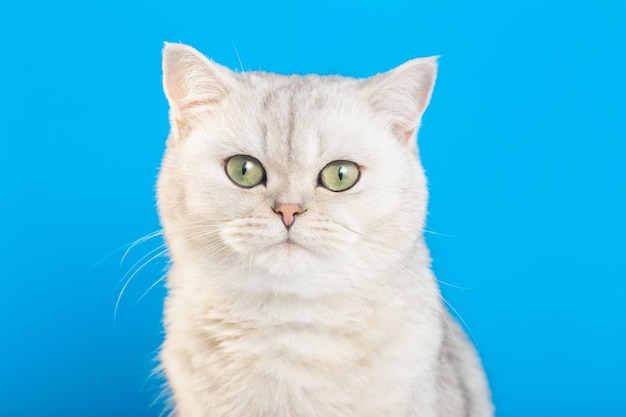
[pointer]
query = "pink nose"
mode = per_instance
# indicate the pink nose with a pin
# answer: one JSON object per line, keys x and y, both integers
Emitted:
{"x": 288, "y": 213}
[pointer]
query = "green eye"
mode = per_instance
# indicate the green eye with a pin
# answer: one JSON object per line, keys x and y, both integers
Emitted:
{"x": 339, "y": 175}
{"x": 245, "y": 171}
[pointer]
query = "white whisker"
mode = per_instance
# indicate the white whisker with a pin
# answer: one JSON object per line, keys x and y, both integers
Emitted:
{"x": 437, "y": 233}
{"x": 119, "y": 297}
{"x": 238, "y": 57}
{"x": 139, "y": 241}
{"x": 161, "y": 279}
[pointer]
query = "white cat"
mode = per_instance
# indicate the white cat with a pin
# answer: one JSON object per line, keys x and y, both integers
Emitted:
{"x": 293, "y": 208}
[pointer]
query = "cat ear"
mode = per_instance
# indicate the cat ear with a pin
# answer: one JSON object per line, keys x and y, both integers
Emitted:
{"x": 192, "y": 84}
{"x": 403, "y": 94}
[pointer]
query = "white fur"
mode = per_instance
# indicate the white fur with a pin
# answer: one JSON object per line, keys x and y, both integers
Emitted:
{"x": 347, "y": 319}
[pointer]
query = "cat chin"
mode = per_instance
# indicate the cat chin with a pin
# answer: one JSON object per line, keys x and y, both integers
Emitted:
{"x": 286, "y": 258}
{"x": 291, "y": 269}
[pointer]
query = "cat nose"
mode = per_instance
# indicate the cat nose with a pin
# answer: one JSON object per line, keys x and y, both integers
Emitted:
{"x": 288, "y": 213}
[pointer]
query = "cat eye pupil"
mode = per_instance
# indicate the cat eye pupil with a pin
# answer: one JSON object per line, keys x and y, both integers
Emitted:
{"x": 339, "y": 175}
{"x": 245, "y": 171}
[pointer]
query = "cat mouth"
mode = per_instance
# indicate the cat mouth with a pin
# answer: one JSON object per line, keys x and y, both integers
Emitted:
{"x": 289, "y": 243}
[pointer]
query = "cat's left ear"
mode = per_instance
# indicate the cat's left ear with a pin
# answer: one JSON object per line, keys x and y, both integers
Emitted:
{"x": 402, "y": 94}
{"x": 193, "y": 84}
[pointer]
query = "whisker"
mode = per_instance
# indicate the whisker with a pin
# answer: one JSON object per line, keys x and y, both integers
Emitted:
{"x": 238, "y": 57}
{"x": 119, "y": 297}
{"x": 437, "y": 233}
{"x": 465, "y": 325}
{"x": 447, "y": 284}
{"x": 161, "y": 279}
{"x": 349, "y": 229}
{"x": 128, "y": 247}
{"x": 139, "y": 241}
{"x": 144, "y": 257}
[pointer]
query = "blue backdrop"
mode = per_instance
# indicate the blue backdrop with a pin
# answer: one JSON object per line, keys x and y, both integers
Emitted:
{"x": 524, "y": 145}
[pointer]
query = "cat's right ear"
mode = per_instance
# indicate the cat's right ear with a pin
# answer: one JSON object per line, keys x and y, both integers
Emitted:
{"x": 403, "y": 94}
{"x": 193, "y": 84}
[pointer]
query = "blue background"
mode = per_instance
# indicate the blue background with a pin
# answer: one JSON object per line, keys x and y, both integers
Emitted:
{"x": 524, "y": 145}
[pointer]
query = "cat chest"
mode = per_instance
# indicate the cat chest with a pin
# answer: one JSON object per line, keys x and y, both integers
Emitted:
{"x": 310, "y": 362}
{"x": 297, "y": 372}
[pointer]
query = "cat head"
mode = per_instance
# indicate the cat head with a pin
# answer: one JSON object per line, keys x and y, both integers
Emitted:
{"x": 295, "y": 179}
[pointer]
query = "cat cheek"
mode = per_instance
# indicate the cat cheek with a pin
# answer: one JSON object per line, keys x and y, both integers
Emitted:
{"x": 252, "y": 235}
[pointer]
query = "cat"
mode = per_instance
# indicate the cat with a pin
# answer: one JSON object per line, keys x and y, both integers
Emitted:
{"x": 293, "y": 208}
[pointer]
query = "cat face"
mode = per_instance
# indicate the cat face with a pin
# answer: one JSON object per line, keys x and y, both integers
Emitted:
{"x": 291, "y": 175}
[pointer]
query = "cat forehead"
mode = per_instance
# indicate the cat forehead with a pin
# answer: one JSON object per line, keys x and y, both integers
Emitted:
{"x": 283, "y": 96}
{"x": 305, "y": 118}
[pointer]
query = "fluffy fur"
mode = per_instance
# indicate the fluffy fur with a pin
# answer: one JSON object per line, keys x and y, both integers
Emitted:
{"x": 338, "y": 315}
